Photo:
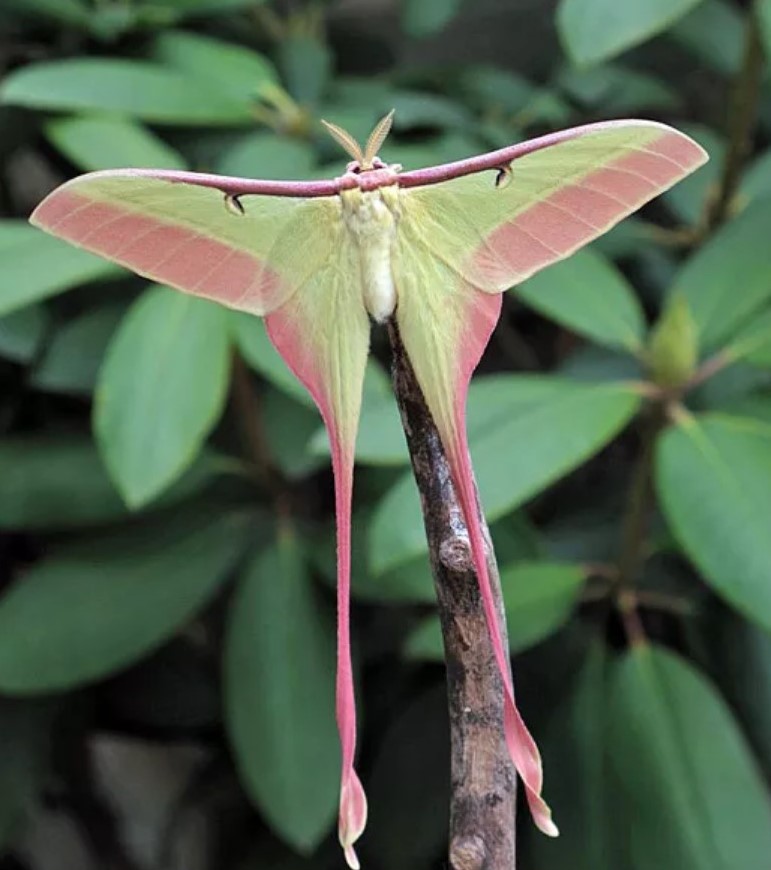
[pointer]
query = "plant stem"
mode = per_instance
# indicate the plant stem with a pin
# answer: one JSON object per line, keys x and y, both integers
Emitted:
{"x": 743, "y": 118}
{"x": 483, "y": 799}
{"x": 634, "y": 536}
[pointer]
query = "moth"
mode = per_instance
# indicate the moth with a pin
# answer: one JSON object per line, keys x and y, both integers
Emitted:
{"x": 433, "y": 248}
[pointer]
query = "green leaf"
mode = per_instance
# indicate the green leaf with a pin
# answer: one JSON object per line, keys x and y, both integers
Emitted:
{"x": 22, "y": 332}
{"x": 425, "y": 17}
{"x": 729, "y": 385}
{"x": 25, "y": 729}
{"x": 764, "y": 17}
{"x": 714, "y": 476}
{"x": 742, "y": 654}
{"x": 588, "y": 294}
{"x": 53, "y": 481}
{"x": 290, "y": 429}
{"x": 94, "y": 143}
{"x": 714, "y": 33}
{"x": 239, "y": 73}
{"x": 279, "y": 696}
{"x": 538, "y": 596}
{"x": 735, "y": 257}
{"x": 591, "y": 363}
{"x": 36, "y": 266}
{"x": 266, "y": 155}
{"x": 74, "y": 354}
{"x": 576, "y": 776}
{"x": 160, "y": 391}
{"x": 756, "y": 181}
{"x": 411, "y": 582}
{"x": 690, "y": 796}
{"x": 422, "y": 109}
{"x": 632, "y": 238}
{"x": 193, "y": 8}
{"x": 73, "y": 12}
{"x": 595, "y": 30}
{"x": 306, "y": 67}
{"x": 443, "y": 148}
{"x": 757, "y": 406}
{"x": 617, "y": 89}
{"x": 95, "y": 607}
{"x": 135, "y": 88}
{"x": 753, "y": 341}
{"x": 573, "y": 420}
{"x": 502, "y": 92}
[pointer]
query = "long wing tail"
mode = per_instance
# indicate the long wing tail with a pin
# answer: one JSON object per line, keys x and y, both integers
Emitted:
{"x": 323, "y": 335}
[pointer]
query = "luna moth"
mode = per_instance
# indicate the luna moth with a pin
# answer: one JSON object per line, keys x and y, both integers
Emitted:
{"x": 433, "y": 248}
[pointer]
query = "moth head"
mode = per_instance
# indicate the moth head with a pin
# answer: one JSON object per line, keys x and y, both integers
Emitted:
{"x": 364, "y": 159}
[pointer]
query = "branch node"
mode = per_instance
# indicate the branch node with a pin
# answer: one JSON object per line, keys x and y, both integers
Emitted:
{"x": 468, "y": 853}
{"x": 455, "y": 554}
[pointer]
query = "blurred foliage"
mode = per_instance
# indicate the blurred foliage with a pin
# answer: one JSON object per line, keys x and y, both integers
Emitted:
{"x": 167, "y": 540}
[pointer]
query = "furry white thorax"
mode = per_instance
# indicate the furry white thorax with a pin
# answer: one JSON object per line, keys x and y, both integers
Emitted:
{"x": 371, "y": 217}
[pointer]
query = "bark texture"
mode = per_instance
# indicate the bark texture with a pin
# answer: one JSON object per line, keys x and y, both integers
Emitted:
{"x": 483, "y": 800}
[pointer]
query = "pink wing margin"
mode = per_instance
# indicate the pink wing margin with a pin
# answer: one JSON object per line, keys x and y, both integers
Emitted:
{"x": 520, "y": 743}
{"x": 188, "y": 257}
{"x": 285, "y": 332}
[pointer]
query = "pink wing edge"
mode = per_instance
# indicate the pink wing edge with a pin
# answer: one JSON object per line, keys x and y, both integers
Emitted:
{"x": 482, "y": 316}
{"x": 574, "y": 214}
{"x": 352, "y": 818}
{"x": 182, "y": 257}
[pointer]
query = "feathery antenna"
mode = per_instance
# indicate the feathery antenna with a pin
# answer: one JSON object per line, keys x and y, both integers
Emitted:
{"x": 351, "y": 146}
{"x": 377, "y": 137}
{"x": 345, "y": 140}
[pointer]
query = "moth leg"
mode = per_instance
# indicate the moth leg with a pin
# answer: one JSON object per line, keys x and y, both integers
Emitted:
{"x": 233, "y": 204}
{"x": 503, "y": 176}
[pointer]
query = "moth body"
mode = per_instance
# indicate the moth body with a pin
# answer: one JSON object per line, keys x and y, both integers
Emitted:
{"x": 371, "y": 217}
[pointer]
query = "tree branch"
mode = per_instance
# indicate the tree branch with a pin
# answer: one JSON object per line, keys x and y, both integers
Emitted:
{"x": 744, "y": 112}
{"x": 483, "y": 801}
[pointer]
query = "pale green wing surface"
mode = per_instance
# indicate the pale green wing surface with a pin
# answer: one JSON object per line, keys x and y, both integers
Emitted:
{"x": 497, "y": 227}
{"x": 248, "y": 252}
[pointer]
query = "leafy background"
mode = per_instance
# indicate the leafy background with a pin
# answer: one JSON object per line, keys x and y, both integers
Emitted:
{"x": 166, "y": 553}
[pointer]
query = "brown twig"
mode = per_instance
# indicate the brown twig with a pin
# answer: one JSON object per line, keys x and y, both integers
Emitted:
{"x": 744, "y": 112}
{"x": 483, "y": 801}
{"x": 708, "y": 369}
{"x": 634, "y": 534}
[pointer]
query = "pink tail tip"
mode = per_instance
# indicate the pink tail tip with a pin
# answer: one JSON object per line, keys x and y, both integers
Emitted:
{"x": 353, "y": 816}
{"x": 527, "y": 760}
{"x": 541, "y": 814}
